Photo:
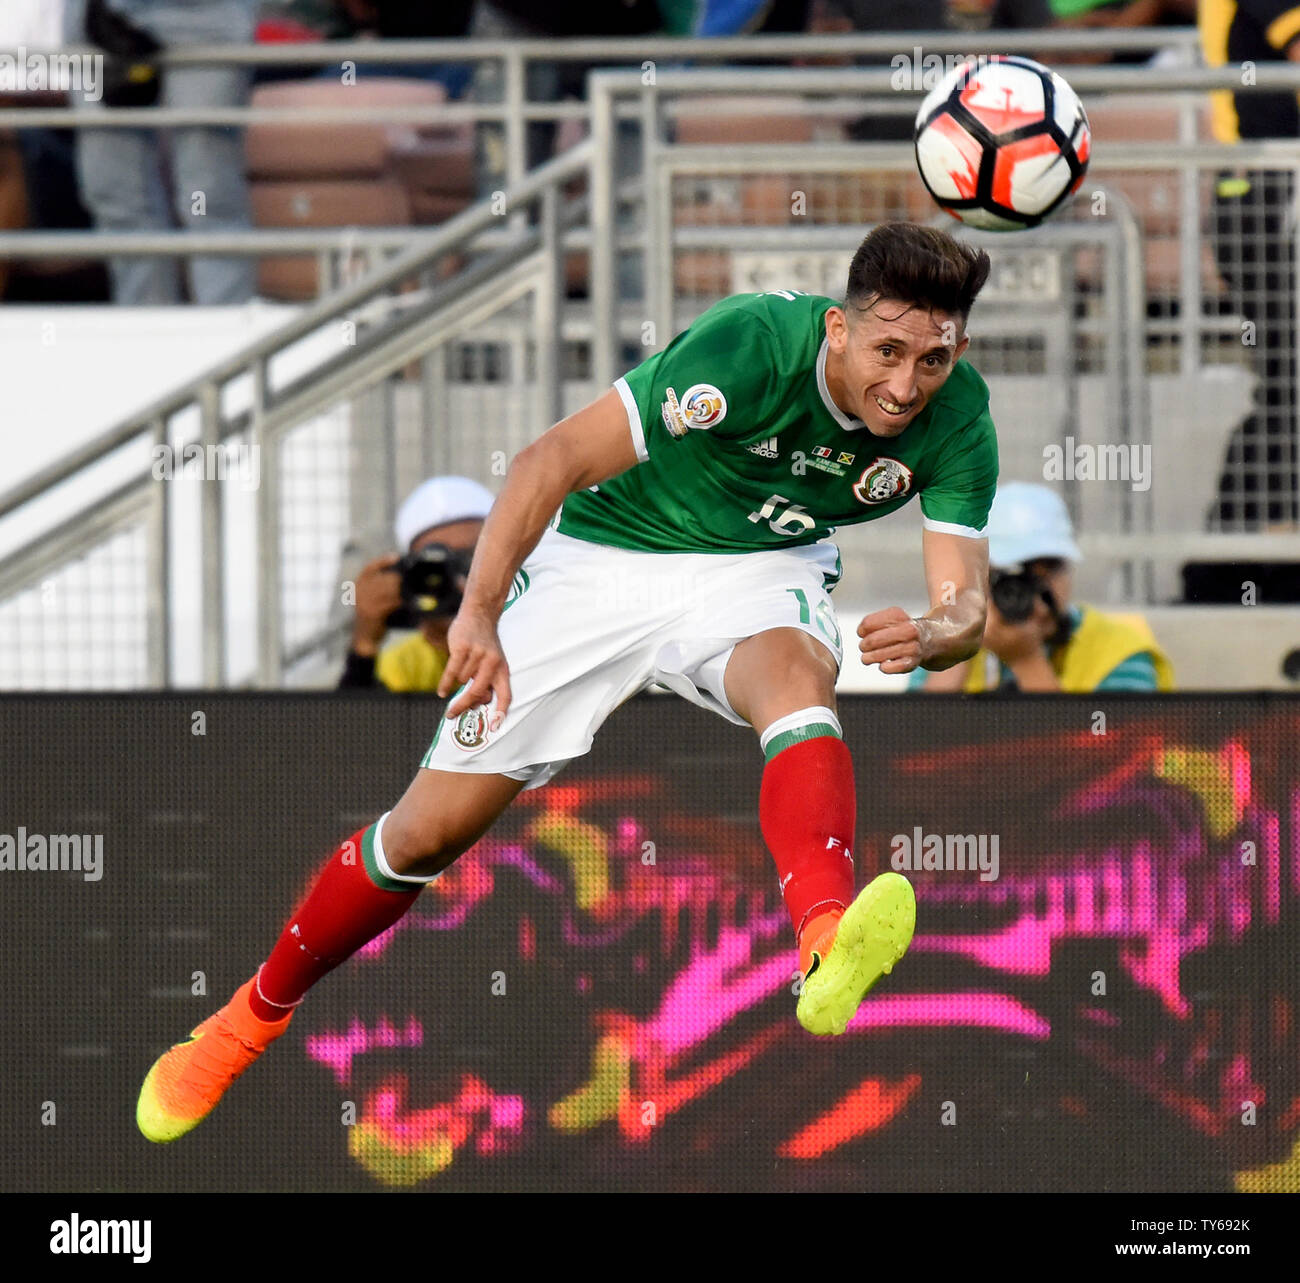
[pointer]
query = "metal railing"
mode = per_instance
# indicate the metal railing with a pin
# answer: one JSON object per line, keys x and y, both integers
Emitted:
{"x": 513, "y": 112}
{"x": 1099, "y": 349}
{"x": 527, "y": 263}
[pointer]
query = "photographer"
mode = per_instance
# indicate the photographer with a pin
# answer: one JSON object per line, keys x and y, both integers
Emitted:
{"x": 1034, "y": 638}
{"x": 438, "y": 526}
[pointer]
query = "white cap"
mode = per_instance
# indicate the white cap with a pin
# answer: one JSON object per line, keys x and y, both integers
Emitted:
{"x": 438, "y": 502}
{"x": 1028, "y": 521}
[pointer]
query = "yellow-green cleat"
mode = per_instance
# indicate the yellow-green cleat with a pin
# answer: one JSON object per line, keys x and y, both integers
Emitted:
{"x": 871, "y": 937}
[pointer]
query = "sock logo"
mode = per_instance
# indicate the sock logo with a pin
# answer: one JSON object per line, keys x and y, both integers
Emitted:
{"x": 831, "y": 843}
{"x": 98, "y": 1238}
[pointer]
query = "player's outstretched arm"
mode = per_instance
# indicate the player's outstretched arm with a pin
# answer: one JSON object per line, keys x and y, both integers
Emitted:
{"x": 956, "y": 575}
{"x": 583, "y": 450}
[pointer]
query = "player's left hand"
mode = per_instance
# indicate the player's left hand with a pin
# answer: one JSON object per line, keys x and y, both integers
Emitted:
{"x": 892, "y": 639}
{"x": 476, "y": 659}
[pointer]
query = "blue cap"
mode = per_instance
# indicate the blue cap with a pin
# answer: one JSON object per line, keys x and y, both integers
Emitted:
{"x": 1029, "y": 521}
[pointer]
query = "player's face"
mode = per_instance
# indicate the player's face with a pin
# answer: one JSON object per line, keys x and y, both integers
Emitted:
{"x": 889, "y": 359}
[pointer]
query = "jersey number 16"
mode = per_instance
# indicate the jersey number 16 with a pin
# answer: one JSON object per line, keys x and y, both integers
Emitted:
{"x": 794, "y": 520}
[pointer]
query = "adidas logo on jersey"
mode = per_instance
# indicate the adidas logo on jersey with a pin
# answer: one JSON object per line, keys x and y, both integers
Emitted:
{"x": 765, "y": 449}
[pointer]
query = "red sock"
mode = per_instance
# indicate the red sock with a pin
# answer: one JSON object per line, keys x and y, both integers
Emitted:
{"x": 807, "y": 810}
{"x": 351, "y": 903}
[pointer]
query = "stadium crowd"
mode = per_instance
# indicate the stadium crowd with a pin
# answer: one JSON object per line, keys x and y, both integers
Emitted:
{"x": 119, "y": 179}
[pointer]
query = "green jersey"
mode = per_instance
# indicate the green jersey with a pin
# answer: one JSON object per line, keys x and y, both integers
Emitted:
{"x": 741, "y": 447}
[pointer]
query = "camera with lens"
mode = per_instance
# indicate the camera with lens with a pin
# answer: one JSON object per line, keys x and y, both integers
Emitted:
{"x": 1015, "y": 592}
{"x": 431, "y": 586}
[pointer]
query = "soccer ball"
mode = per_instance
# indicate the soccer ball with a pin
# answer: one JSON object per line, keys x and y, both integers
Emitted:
{"x": 1001, "y": 142}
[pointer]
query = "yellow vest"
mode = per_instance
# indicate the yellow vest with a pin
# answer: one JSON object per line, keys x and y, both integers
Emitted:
{"x": 1097, "y": 647}
{"x": 1215, "y": 19}
{"x": 411, "y": 665}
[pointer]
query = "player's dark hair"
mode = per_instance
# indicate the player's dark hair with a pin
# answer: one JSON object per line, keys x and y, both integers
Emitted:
{"x": 919, "y": 265}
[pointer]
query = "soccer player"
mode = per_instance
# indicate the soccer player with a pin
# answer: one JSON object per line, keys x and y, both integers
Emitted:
{"x": 676, "y": 531}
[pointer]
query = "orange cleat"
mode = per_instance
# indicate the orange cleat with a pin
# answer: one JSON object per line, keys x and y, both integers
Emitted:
{"x": 817, "y": 938}
{"x": 186, "y": 1083}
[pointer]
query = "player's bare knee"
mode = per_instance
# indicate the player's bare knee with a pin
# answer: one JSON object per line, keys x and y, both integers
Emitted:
{"x": 415, "y": 849}
{"x": 777, "y": 672}
{"x": 427, "y": 866}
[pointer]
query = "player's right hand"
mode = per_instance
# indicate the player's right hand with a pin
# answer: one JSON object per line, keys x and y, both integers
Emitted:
{"x": 378, "y": 594}
{"x": 476, "y": 658}
{"x": 892, "y": 639}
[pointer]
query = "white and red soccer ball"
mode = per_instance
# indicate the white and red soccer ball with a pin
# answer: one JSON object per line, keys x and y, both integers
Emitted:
{"x": 1002, "y": 142}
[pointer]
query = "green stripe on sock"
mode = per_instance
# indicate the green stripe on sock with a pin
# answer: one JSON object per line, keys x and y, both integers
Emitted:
{"x": 810, "y": 732}
{"x": 373, "y": 871}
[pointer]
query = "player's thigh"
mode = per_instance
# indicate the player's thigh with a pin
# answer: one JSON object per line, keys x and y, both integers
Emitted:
{"x": 778, "y": 672}
{"x": 441, "y": 815}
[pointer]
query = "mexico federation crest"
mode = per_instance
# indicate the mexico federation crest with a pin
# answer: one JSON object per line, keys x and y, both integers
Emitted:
{"x": 471, "y": 728}
{"x": 703, "y": 406}
{"x": 884, "y": 480}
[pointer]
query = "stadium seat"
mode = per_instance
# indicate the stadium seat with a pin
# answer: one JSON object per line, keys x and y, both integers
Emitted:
{"x": 746, "y": 121}
{"x": 436, "y": 170}
{"x": 341, "y": 203}
{"x": 352, "y": 175}
{"x": 328, "y": 150}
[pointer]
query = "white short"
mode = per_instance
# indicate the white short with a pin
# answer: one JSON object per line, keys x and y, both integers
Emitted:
{"x": 587, "y": 626}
